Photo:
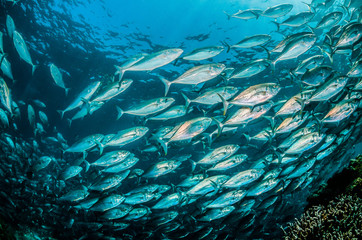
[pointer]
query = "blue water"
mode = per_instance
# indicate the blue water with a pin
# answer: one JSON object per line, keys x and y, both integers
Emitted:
{"x": 85, "y": 39}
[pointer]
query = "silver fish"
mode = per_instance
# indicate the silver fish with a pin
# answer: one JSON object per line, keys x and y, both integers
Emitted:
{"x": 58, "y": 78}
{"x": 196, "y": 75}
{"x": 5, "y": 97}
{"x": 252, "y": 41}
{"x": 109, "y": 181}
{"x": 174, "y": 112}
{"x": 10, "y": 26}
{"x": 277, "y": 11}
{"x": 22, "y": 49}
{"x": 84, "y": 95}
{"x": 112, "y": 90}
{"x": 5, "y": 67}
{"x": 217, "y": 213}
{"x": 250, "y": 69}
{"x": 162, "y": 168}
{"x": 148, "y": 107}
{"x": 152, "y": 61}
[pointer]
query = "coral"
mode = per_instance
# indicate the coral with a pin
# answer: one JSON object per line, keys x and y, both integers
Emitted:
{"x": 341, "y": 219}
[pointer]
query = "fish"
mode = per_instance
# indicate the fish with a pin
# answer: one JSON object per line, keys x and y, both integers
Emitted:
{"x": 211, "y": 96}
{"x": 196, "y": 75}
{"x": 356, "y": 70}
{"x": 243, "y": 178}
{"x": 4, "y": 118}
{"x": 203, "y": 53}
{"x": 5, "y": 67}
{"x": 1, "y": 42}
{"x": 84, "y": 95}
{"x": 219, "y": 154}
{"x": 317, "y": 76}
{"x": 171, "y": 200}
{"x": 151, "y": 61}
{"x": 296, "y": 20}
{"x": 85, "y": 143}
{"x": 112, "y": 90}
{"x": 124, "y": 165}
{"x": 75, "y": 195}
{"x": 277, "y": 11}
{"x": 5, "y": 97}
{"x": 329, "y": 20}
{"x": 110, "y": 181}
{"x": 108, "y": 203}
{"x": 217, "y": 213}
{"x": 185, "y": 131}
{"x": 161, "y": 168}
{"x": 207, "y": 185}
{"x": 124, "y": 137}
{"x": 245, "y": 14}
{"x": 250, "y": 69}
{"x": 112, "y": 158}
{"x": 10, "y": 26}
{"x": 22, "y": 49}
{"x": 307, "y": 64}
{"x": 295, "y": 48}
{"x": 227, "y": 199}
{"x": 70, "y": 172}
{"x": 31, "y": 116}
{"x": 341, "y": 111}
{"x": 116, "y": 213}
{"x": 171, "y": 113}
{"x": 305, "y": 143}
{"x": 147, "y": 107}
{"x": 256, "y": 94}
{"x": 57, "y": 77}
{"x": 252, "y": 41}
{"x": 328, "y": 90}
{"x": 229, "y": 163}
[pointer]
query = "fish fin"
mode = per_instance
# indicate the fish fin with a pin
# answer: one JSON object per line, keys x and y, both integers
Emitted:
{"x": 87, "y": 102}
{"x": 120, "y": 112}
{"x": 247, "y": 138}
{"x": 309, "y": 6}
{"x": 33, "y": 67}
{"x": 224, "y": 103}
{"x": 61, "y": 112}
{"x": 166, "y": 83}
{"x": 256, "y": 15}
{"x": 187, "y": 100}
{"x": 220, "y": 126}
{"x": 84, "y": 154}
{"x": 66, "y": 90}
{"x": 228, "y": 15}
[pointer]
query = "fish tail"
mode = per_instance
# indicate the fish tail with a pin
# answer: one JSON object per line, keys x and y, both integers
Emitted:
{"x": 220, "y": 126}
{"x": 119, "y": 71}
{"x": 120, "y": 112}
{"x": 187, "y": 100}
{"x": 329, "y": 55}
{"x": 277, "y": 25}
{"x": 33, "y": 68}
{"x": 228, "y": 15}
{"x": 166, "y": 83}
{"x": 66, "y": 90}
{"x": 193, "y": 165}
{"x": 69, "y": 122}
{"x": 272, "y": 64}
{"x": 61, "y": 112}
{"x": 224, "y": 103}
{"x": 227, "y": 46}
{"x": 309, "y": 6}
{"x": 101, "y": 147}
{"x": 163, "y": 144}
{"x": 87, "y": 165}
{"x": 256, "y": 15}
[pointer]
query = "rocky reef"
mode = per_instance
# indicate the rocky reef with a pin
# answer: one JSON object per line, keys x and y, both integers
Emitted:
{"x": 335, "y": 210}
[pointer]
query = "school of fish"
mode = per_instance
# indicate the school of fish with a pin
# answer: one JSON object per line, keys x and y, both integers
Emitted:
{"x": 226, "y": 157}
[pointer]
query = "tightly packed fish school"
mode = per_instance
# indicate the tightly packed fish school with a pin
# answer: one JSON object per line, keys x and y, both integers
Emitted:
{"x": 217, "y": 151}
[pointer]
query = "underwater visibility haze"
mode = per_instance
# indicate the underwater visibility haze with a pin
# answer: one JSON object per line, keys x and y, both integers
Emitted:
{"x": 183, "y": 119}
